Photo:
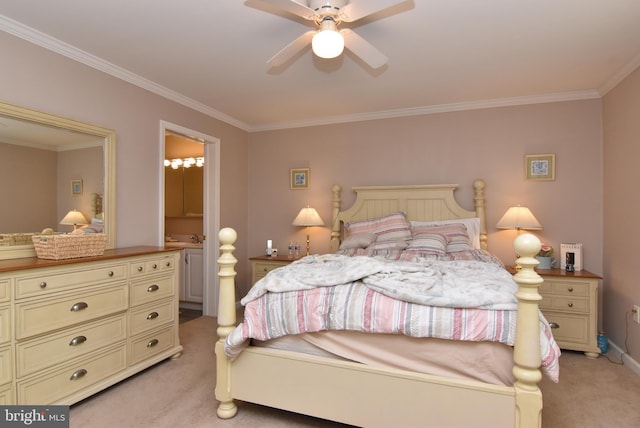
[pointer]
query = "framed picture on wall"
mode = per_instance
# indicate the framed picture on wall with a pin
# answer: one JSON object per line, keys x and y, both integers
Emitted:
{"x": 76, "y": 187}
{"x": 300, "y": 178}
{"x": 540, "y": 167}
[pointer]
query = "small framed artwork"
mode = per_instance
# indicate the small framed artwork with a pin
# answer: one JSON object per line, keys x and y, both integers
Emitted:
{"x": 300, "y": 178}
{"x": 540, "y": 167}
{"x": 76, "y": 187}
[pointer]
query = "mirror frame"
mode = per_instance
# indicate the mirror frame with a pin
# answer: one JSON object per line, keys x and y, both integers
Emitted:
{"x": 109, "y": 152}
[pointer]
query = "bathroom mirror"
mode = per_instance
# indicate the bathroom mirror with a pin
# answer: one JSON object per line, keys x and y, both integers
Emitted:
{"x": 39, "y": 136}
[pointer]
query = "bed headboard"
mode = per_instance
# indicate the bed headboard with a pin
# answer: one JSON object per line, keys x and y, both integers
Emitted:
{"x": 419, "y": 203}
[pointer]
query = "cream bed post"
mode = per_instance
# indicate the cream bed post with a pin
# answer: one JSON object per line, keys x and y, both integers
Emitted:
{"x": 335, "y": 225}
{"x": 226, "y": 322}
{"x": 526, "y": 354}
{"x": 478, "y": 199}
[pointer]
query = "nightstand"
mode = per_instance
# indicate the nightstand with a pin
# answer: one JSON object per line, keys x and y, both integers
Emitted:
{"x": 262, "y": 265}
{"x": 570, "y": 304}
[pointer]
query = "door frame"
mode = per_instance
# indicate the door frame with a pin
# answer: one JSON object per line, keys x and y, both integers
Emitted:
{"x": 211, "y": 208}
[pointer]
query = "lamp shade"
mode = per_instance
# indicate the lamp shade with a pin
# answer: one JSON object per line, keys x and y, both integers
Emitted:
{"x": 74, "y": 218}
{"x": 519, "y": 218}
{"x": 308, "y": 217}
{"x": 328, "y": 42}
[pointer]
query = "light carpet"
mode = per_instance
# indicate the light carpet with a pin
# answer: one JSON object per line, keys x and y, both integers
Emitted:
{"x": 180, "y": 393}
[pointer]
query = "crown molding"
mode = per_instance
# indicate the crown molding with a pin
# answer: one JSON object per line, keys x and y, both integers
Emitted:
{"x": 442, "y": 108}
{"x": 44, "y": 40}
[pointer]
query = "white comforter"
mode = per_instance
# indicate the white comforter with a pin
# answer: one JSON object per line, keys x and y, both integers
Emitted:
{"x": 459, "y": 284}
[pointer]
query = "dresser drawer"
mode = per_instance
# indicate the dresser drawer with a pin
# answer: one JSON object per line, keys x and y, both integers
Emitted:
{"x": 151, "y": 316}
{"x": 35, "y": 317}
{"x": 6, "y": 395}
{"x": 151, "y": 289}
{"x": 569, "y": 328}
{"x": 150, "y": 266}
{"x": 5, "y": 291}
{"x": 5, "y": 325}
{"x": 6, "y": 365}
{"x": 150, "y": 344}
{"x": 47, "y": 281}
{"x": 38, "y": 354}
{"x": 54, "y": 385}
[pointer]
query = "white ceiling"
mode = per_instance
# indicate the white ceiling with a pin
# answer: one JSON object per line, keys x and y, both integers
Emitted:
{"x": 443, "y": 55}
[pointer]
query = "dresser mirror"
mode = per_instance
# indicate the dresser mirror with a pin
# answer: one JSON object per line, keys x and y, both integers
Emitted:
{"x": 50, "y": 149}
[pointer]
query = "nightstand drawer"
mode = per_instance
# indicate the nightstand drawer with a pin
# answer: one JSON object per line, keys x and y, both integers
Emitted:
{"x": 565, "y": 304}
{"x": 566, "y": 288}
{"x": 569, "y": 328}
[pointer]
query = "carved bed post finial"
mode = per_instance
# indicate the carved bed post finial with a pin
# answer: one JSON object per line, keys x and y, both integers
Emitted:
{"x": 226, "y": 322}
{"x": 335, "y": 223}
{"x": 479, "y": 202}
{"x": 526, "y": 354}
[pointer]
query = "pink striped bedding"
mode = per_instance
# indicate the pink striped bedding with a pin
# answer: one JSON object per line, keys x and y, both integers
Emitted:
{"x": 354, "y": 306}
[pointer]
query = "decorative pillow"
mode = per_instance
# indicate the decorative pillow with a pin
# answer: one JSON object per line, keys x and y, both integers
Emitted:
{"x": 391, "y": 228}
{"x": 456, "y": 234}
{"x": 472, "y": 225}
{"x": 358, "y": 240}
{"x": 400, "y": 244}
{"x": 435, "y": 243}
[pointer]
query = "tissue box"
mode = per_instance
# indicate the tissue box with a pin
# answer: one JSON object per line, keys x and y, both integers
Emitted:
{"x": 576, "y": 249}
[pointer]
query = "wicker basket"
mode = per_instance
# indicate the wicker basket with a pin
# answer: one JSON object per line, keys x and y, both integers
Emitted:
{"x": 60, "y": 247}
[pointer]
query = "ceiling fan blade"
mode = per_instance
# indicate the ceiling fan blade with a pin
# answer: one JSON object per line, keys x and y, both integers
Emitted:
{"x": 291, "y": 49}
{"x": 293, "y": 7}
{"x": 359, "y": 9}
{"x": 363, "y": 49}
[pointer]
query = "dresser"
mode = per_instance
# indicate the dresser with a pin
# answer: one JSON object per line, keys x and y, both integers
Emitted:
{"x": 71, "y": 328}
{"x": 262, "y": 265}
{"x": 570, "y": 304}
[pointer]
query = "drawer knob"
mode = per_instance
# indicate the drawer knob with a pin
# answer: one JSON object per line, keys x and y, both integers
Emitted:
{"x": 139, "y": 268}
{"x": 570, "y": 304}
{"x": 155, "y": 266}
{"x": 110, "y": 273}
{"x": 152, "y": 343}
{"x": 78, "y": 340}
{"x": 79, "y": 307}
{"x": 570, "y": 289}
{"x": 168, "y": 264}
{"x": 43, "y": 284}
{"x": 265, "y": 269}
{"x": 554, "y": 325}
{"x": 78, "y": 374}
{"x": 152, "y": 316}
{"x": 152, "y": 288}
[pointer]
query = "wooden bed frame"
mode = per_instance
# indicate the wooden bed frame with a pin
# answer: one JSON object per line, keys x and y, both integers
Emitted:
{"x": 362, "y": 395}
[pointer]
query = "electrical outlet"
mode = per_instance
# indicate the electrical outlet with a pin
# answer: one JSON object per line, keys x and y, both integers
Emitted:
{"x": 636, "y": 313}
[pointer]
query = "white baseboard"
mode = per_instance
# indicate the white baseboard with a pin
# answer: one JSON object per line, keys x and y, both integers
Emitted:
{"x": 617, "y": 353}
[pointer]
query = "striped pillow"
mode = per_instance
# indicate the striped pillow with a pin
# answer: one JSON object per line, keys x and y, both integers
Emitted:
{"x": 392, "y": 228}
{"x": 456, "y": 234}
{"x": 433, "y": 243}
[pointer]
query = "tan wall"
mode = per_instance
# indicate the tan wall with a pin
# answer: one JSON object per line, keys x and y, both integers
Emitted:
{"x": 46, "y": 81}
{"x": 621, "y": 108}
{"x": 443, "y": 148}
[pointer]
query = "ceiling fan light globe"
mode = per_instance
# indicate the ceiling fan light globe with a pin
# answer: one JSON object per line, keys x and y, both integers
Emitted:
{"x": 327, "y": 44}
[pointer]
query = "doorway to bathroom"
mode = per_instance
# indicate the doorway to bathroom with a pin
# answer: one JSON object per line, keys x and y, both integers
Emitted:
{"x": 189, "y": 210}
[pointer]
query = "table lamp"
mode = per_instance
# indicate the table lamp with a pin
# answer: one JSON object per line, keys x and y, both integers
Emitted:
{"x": 308, "y": 217}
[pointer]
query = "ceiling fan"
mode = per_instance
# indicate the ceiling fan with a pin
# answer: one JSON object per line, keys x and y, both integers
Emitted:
{"x": 327, "y": 41}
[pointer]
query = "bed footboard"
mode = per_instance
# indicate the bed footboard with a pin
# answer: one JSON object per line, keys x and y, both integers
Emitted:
{"x": 402, "y": 396}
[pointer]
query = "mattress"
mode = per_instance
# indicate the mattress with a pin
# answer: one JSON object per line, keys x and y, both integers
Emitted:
{"x": 488, "y": 362}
